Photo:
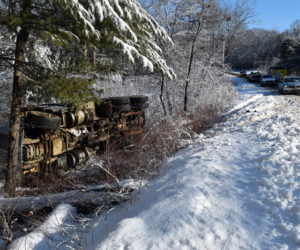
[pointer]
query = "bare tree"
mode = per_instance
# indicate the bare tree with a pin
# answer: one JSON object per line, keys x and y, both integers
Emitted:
{"x": 255, "y": 48}
{"x": 241, "y": 13}
{"x": 199, "y": 21}
{"x": 202, "y": 30}
{"x": 295, "y": 29}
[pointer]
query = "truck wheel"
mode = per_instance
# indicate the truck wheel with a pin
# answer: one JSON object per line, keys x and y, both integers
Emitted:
{"x": 140, "y": 106}
{"x": 104, "y": 109}
{"x": 122, "y": 108}
{"x": 118, "y": 100}
{"x": 139, "y": 99}
{"x": 43, "y": 120}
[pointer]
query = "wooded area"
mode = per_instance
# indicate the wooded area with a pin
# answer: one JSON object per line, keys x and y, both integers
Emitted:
{"x": 174, "y": 53}
{"x": 44, "y": 53}
{"x": 186, "y": 45}
{"x": 259, "y": 48}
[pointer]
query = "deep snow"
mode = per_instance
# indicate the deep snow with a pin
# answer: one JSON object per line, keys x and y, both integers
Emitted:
{"x": 236, "y": 189}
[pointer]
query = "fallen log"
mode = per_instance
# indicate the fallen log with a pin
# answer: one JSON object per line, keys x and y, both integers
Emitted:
{"x": 94, "y": 196}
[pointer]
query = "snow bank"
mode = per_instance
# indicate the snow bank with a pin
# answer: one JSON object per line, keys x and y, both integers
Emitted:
{"x": 188, "y": 207}
{"x": 54, "y": 232}
{"x": 275, "y": 120}
{"x": 237, "y": 190}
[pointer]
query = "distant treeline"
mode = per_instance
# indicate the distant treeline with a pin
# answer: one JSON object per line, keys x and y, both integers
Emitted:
{"x": 259, "y": 48}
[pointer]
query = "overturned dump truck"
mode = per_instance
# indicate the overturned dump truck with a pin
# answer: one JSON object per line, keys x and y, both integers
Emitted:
{"x": 59, "y": 136}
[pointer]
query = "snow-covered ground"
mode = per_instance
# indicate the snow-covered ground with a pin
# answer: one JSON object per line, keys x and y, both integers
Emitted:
{"x": 238, "y": 188}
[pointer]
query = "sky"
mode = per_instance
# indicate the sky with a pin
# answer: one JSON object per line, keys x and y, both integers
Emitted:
{"x": 276, "y": 14}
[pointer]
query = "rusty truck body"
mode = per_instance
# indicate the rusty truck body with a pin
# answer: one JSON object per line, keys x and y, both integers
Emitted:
{"x": 62, "y": 136}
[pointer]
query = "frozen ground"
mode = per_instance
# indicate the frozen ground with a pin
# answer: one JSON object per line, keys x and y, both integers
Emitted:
{"x": 239, "y": 188}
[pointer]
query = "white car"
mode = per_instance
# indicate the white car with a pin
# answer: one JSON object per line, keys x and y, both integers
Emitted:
{"x": 267, "y": 81}
{"x": 290, "y": 85}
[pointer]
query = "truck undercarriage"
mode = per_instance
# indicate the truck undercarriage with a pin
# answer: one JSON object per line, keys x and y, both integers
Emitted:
{"x": 56, "y": 136}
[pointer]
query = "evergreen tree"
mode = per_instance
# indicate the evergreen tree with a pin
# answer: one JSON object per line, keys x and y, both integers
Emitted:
{"x": 290, "y": 54}
{"x": 64, "y": 28}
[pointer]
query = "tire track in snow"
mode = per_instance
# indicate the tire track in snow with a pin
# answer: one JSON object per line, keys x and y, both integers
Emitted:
{"x": 275, "y": 119}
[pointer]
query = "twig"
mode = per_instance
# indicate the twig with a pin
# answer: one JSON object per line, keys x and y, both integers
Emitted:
{"x": 105, "y": 170}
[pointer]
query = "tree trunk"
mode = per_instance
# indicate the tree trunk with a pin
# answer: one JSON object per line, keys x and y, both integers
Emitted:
{"x": 161, "y": 94}
{"x": 187, "y": 81}
{"x": 169, "y": 102}
{"x": 15, "y": 114}
{"x": 97, "y": 195}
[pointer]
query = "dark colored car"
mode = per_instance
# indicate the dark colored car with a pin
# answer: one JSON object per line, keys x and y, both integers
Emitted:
{"x": 243, "y": 73}
{"x": 254, "y": 77}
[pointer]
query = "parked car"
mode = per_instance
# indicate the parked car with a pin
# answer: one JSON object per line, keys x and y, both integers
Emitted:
{"x": 59, "y": 137}
{"x": 243, "y": 73}
{"x": 290, "y": 85}
{"x": 254, "y": 76}
{"x": 267, "y": 81}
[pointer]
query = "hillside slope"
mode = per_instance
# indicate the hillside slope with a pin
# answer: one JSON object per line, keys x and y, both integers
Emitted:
{"x": 236, "y": 189}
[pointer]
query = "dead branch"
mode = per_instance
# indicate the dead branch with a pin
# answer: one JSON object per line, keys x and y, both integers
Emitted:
{"x": 94, "y": 196}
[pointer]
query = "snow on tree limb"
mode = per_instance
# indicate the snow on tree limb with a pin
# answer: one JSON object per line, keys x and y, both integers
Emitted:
{"x": 137, "y": 29}
{"x": 96, "y": 22}
{"x": 122, "y": 13}
{"x": 83, "y": 14}
{"x": 127, "y": 49}
{"x": 147, "y": 63}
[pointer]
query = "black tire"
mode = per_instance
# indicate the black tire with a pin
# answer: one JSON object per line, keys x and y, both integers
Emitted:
{"x": 118, "y": 100}
{"x": 43, "y": 120}
{"x": 122, "y": 108}
{"x": 104, "y": 109}
{"x": 139, "y": 99}
{"x": 140, "y": 106}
